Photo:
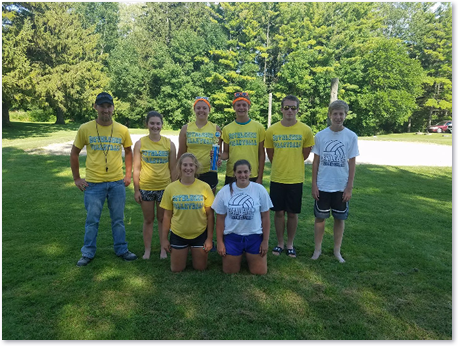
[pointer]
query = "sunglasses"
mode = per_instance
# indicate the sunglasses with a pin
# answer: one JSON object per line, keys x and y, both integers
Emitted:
{"x": 290, "y": 107}
{"x": 202, "y": 97}
{"x": 240, "y": 94}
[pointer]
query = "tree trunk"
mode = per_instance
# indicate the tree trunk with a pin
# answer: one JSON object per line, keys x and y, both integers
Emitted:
{"x": 267, "y": 45}
{"x": 5, "y": 114}
{"x": 334, "y": 90}
{"x": 409, "y": 125}
{"x": 430, "y": 116}
{"x": 60, "y": 116}
{"x": 269, "y": 112}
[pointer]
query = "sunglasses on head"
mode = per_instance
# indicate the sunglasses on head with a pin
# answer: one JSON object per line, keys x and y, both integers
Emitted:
{"x": 240, "y": 94}
{"x": 202, "y": 97}
{"x": 290, "y": 107}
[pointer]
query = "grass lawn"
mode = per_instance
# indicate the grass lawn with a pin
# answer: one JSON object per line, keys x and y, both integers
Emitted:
{"x": 28, "y": 135}
{"x": 433, "y": 138}
{"x": 396, "y": 283}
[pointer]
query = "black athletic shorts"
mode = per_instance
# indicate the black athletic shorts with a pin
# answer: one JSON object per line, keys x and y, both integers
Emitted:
{"x": 178, "y": 242}
{"x": 331, "y": 201}
{"x": 287, "y": 197}
{"x": 211, "y": 178}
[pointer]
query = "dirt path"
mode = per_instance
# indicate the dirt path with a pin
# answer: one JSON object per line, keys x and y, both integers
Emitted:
{"x": 371, "y": 152}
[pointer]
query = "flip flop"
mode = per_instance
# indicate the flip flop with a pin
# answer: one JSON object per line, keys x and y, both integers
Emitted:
{"x": 291, "y": 252}
{"x": 277, "y": 250}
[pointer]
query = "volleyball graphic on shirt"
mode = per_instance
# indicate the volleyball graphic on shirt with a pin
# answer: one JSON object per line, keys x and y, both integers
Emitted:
{"x": 241, "y": 207}
{"x": 333, "y": 154}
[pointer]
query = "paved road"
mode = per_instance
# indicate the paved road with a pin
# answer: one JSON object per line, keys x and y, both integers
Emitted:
{"x": 371, "y": 152}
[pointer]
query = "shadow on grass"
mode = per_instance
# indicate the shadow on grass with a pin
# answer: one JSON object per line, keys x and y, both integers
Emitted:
{"x": 393, "y": 286}
{"x": 18, "y": 130}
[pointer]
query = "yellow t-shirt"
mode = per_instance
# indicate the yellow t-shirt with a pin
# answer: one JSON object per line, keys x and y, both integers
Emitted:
{"x": 199, "y": 143}
{"x": 287, "y": 142}
{"x": 155, "y": 170}
{"x": 100, "y": 141}
{"x": 188, "y": 202}
{"x": 243, "y": 143}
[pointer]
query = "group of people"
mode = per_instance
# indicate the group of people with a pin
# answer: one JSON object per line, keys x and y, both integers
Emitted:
{"x": 180, "y": 189}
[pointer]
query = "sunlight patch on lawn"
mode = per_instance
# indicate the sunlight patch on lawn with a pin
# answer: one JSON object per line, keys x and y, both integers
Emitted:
{"x": 374, "y": 306}
{"x": 117, "y": 303}
{"x": 296, "y": 304}
{"x": 190, "y": 313}
{"x": 64, "y": 173}
{"x": 137, "y": 282}
{"x": 77, "y": 323}
{"x": 259, "y": 295}
{"x": 108, "y": 274}
{"x": 433, "y": 202}
{"x": 53, "y": 249}
{"x": 391, "y": 316}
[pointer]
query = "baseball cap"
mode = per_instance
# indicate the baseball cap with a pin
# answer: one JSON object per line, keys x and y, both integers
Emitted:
{"x": 104, "y": 98}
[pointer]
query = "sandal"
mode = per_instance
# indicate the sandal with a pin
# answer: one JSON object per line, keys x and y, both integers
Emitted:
{"x": 277, "y": 250}
{"x": 291, "y": 252}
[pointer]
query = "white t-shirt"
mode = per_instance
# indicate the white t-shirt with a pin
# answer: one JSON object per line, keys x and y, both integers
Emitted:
{"x": 242, "y": 209}
{"x": 334, "y": 149}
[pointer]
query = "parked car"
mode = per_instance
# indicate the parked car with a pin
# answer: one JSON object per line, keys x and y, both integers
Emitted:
{"x": 449, "y": 127}
{"x": 440, "y": 127}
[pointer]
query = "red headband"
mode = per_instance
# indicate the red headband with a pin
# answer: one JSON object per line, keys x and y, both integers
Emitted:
{"x": 241, "y": 99}
{"x": 208, "y": 103}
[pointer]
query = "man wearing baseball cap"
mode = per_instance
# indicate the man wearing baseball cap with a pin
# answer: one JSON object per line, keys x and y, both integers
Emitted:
{"x": 104, "y": 139}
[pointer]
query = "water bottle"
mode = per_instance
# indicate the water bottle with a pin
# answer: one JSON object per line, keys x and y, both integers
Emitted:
{"x": 214, "y": 163}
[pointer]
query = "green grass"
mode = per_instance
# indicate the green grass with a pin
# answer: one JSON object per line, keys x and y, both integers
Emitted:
{"x": 396, "y": 283}
{"x": 20, "y": 116}
{"x": 31, "y": 135}
{"x": 433, "y": 138}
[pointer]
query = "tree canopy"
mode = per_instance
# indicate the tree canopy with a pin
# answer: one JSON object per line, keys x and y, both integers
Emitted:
{"x": 393, "y": 60}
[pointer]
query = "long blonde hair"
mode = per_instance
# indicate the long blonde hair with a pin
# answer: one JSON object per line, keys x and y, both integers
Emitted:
{"x": 194, "y": 159}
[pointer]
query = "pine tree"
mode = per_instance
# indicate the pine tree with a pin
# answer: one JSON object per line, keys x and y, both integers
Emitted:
{"x": 17, "y": 77}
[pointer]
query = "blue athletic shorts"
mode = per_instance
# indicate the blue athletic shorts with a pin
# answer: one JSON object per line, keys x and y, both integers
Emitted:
{"x": 237, "y": 244}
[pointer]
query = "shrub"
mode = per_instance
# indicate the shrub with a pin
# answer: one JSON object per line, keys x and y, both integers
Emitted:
{"x": 40, "y": 115}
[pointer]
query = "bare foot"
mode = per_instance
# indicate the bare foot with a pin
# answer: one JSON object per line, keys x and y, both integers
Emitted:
{"x": 316, "y": 254}
{"x": 163, "y": 254}
{"x": 339, "y": 257}
{"x": 146, "y": 254}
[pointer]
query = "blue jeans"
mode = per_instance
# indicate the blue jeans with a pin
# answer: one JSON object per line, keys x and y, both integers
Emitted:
{"x": 94, "y": 198}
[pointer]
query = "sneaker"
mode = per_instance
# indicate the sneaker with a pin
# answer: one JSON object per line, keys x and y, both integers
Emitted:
{"x": 83, "y": 261}
{"x": 128, "y": 256}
